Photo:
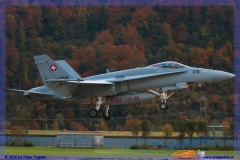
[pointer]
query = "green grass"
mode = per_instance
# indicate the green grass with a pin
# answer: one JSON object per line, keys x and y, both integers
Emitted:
{"x": 102, "y": 152}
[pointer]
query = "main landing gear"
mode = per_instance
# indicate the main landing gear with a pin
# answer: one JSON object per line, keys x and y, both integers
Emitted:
{"x": 163, "y": 97}
{"x": 94, "y": 112}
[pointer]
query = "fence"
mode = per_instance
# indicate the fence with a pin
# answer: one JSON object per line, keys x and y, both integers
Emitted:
{"x": 127, "y": 142}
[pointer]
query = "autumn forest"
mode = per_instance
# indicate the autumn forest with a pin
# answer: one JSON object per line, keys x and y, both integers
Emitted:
{"x": 93, "y": 39}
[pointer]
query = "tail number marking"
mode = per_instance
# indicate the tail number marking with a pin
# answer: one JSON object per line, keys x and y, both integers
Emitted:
{"x": 127, "y": 99}
{"x": 132, "y": 98}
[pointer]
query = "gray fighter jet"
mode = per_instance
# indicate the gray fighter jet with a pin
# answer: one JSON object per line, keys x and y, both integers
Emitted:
{"x": 62, "y": 83}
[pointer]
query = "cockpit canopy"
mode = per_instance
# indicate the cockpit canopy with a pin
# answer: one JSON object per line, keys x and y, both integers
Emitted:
{"x": 168, "y": 64}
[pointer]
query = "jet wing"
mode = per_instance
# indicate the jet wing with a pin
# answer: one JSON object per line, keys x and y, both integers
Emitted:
{"x": 80, "y": 87}
{"x": 142, "y": 76}
{"x": 27, "y": 92}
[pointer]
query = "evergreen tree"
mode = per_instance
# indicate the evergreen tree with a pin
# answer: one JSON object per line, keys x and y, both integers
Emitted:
{"x": 145, "y": 130}
{"x": 190, "y": 125}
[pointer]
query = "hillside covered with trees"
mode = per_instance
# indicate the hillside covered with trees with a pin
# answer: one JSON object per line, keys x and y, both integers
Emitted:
{"x": 93, "y": 39}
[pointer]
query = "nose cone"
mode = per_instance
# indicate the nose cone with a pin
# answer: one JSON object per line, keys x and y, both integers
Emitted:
{"x": 220, "y": 75}
{"x": 231, "y": 75}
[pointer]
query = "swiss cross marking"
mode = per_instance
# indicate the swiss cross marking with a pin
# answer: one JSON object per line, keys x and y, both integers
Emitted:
{"x": 53, "y": 67}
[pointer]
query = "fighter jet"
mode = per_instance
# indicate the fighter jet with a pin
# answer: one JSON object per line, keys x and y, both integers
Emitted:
{"x": 62, "y": 83}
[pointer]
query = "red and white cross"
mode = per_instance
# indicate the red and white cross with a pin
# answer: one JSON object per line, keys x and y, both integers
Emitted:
{"x": 53, "y": 67}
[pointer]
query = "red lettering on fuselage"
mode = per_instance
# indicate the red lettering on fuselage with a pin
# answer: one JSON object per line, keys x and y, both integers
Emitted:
{"x": 133, "y": 98}
{"x": 116, "y": 99}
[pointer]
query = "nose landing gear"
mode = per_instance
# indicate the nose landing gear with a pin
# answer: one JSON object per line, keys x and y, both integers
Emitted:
{"x": 163, "y": 96}
{"x": 163, "y": 106}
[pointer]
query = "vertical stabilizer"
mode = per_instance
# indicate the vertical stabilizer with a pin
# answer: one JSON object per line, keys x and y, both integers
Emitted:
{"x": 68, "y": 68}
{"x": 50, "y": 69}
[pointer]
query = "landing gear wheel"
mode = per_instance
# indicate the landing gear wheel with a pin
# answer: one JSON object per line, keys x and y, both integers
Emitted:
{"x": 163, "y": 106}
{"x": 93, "y": 113}
{"x": 107, "y": 117}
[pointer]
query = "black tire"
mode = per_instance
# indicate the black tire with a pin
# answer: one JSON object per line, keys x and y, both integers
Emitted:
{"x": 107, "y": 117}
{"x": 163, "y": 106}
{"x": 93, "y": 113}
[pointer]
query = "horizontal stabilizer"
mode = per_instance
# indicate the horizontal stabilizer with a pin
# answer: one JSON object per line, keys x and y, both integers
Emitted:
{"x": 40, "y": 93}
{"x": 16, "y": 90}
{"x": 62, "y": 80}
{"x": 27, "y": 92}
{"x": 89, "y": 82}
{"x": 78, "y": 82}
